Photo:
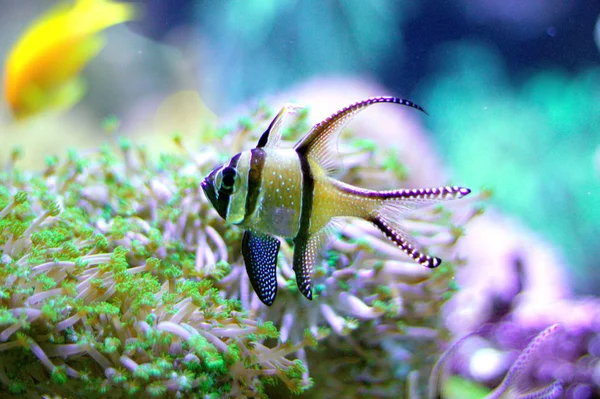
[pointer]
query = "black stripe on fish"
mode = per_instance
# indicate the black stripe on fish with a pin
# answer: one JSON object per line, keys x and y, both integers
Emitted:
{"x": 257, "y": 164}
{"x": 397, "y": 238}
{"x": 223, "y": 196}
{"x": 303, "y": 270}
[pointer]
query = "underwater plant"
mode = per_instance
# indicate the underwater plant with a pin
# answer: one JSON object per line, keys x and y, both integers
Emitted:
{"x": 118, "y": 277}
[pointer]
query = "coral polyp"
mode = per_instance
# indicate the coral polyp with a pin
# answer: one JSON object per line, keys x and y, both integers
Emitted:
{"x": 118, "y": 277}
{"x": 81, "y": 314}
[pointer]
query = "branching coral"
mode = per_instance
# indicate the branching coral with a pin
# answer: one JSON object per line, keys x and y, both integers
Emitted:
{"x": 117, "y": 276}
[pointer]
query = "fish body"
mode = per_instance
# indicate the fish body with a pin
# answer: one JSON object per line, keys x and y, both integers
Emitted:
{"x": 42, "y": 68}
{"x": 269, "y": 191}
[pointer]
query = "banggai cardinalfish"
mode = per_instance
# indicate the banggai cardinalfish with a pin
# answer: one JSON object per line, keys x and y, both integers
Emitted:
{"x": 270, "y": 191}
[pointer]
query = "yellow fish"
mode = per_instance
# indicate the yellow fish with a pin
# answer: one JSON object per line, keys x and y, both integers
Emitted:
{"x": 290, "y": 193}
{"x": 42, "y": 69}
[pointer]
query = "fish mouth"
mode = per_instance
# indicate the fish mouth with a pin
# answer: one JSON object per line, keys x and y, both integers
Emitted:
{"x": 209, "y": 190}
{"x": 204, "y": 186}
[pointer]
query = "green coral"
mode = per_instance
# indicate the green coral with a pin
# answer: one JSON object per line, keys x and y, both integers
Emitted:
{"x": 93, "y": 295}
{"x": 118, "y": 277}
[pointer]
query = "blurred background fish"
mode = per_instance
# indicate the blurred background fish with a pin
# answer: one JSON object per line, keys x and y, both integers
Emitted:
{"x": 42, "y": 69}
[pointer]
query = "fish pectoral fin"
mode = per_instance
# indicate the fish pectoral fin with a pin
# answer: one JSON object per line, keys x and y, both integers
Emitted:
{"x": 272, "y": 136}
{"x": 319, "y": 143}
{"x": 260, "y": 256}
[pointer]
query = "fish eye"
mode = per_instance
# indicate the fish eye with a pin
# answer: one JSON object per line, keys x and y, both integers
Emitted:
{"x": 228, "y": 178}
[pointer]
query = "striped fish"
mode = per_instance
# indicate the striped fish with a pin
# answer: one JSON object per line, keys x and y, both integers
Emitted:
{"x": 270, "y": 191}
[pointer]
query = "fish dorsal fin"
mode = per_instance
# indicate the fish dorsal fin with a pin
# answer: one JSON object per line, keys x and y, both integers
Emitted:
{"x": 272, "y": 136}
{"x": 318, "y": 144}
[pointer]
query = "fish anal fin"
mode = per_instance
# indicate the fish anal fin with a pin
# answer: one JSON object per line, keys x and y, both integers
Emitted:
{"x": 260, "y": 256}
{"x": 306, "y": 251}
{"x": 272, "y": 136}
{"x": 319, "y": 143}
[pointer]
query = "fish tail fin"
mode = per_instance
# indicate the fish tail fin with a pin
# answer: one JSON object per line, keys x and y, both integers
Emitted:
{"x": 398, "y": 237}
{"x": 426, "y": 195}
{"x": 395, "y": 205}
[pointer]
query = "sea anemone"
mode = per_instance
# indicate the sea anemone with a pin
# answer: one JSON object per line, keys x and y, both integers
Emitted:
{"x": 117, "y": 276}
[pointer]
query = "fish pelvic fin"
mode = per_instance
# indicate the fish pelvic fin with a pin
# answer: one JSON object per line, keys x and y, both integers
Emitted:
{"x": 396, "y": 204}
{"x": 260, "y": 256}
{"x": 320, "y": 142}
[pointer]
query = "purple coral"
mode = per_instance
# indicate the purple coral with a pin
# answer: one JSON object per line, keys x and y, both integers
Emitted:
{"x": 512, "y": 291}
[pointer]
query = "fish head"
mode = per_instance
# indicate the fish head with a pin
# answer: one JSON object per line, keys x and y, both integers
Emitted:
{"x": 225, "y": 189}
